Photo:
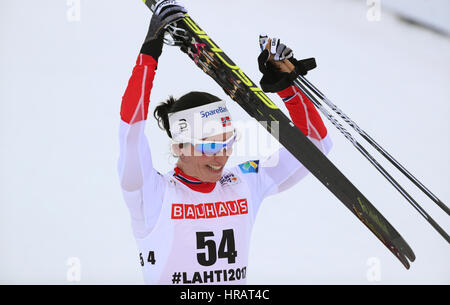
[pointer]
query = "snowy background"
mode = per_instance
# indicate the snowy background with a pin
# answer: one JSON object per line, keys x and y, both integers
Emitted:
{"x": 64, "y": 66}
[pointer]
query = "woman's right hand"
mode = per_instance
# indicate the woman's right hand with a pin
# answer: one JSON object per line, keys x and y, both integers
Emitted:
{"x": 166, "y": 12}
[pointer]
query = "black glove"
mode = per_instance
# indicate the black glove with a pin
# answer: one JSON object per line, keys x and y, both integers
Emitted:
{"x": 273, "y": 79}
{"x": 166, "y": 12}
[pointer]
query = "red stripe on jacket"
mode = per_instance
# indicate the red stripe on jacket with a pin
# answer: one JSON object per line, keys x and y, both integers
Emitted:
{"x": 136, "y": 98}
{"x": 303, "y": 113}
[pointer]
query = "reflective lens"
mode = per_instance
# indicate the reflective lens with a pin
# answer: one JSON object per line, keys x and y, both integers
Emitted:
{"x": 212, "y": 148}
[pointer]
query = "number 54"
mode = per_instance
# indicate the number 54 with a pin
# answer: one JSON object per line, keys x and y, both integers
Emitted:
{"x": 227, "y": 248}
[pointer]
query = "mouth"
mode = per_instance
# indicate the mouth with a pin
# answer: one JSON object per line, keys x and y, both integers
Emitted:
{"x": 215, "y": 168}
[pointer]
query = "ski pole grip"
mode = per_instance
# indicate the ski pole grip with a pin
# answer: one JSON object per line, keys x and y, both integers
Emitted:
{"x": 284, "y": 66}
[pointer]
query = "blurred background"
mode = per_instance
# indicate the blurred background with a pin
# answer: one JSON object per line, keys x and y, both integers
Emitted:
{"x": 64, "y": 66}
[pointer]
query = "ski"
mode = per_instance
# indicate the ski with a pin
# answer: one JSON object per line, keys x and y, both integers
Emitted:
{"x": 207, "y": 55}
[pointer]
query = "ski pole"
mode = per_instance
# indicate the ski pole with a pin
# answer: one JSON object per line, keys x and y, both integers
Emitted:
{"x": 369, "y": 139}
{"x": 372, "y": 160}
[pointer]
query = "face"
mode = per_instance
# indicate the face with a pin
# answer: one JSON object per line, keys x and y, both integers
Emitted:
{"x": 206, "y": 168}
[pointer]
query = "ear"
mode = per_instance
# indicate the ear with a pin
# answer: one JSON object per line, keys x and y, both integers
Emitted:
{"x": 177, "y": 150}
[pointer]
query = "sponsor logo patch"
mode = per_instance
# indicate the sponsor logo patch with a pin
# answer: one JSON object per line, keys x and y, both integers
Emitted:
{"x": 226, "y": 121}
{"x": 249, "y": 167}
{"x": 228, "y": 179}
{"x": 209, "y": 210}
{"x": 206, "y": 114}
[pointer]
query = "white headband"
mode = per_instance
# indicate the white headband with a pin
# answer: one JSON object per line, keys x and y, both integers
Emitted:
{"x": 200, "y": 122}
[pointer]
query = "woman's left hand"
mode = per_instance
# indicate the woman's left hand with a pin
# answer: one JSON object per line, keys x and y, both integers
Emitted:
{"x": 278, "y": 65}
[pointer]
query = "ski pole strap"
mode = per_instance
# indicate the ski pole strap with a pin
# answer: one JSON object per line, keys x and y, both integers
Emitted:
{"x": 280, "y": 74}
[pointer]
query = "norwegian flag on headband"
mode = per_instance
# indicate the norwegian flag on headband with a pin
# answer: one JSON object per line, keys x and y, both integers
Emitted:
{"x": 226, "y": 121}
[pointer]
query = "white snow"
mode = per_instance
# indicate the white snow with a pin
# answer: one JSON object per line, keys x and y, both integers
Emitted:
{"x": 61, "y": 84}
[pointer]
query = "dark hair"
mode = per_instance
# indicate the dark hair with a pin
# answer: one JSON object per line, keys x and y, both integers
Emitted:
{"x": 190, "y": 100}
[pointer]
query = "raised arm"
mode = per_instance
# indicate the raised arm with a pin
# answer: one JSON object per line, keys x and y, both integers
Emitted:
{"x": 135, "y": 162}
{"x": 278, "y": 77}
{"x": 282, "y": 170}
{"x": 142, "y": 186}
{"x": 305, "y": 116}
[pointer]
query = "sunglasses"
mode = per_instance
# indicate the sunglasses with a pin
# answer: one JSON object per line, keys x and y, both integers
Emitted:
{"x": 214, "y": 147}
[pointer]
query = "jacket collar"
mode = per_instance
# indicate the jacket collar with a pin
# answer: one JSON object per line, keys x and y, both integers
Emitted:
{"x": 193, "y": 183}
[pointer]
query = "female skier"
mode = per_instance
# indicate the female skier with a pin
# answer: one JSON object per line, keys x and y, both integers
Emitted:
{"x": 193, "y": 224}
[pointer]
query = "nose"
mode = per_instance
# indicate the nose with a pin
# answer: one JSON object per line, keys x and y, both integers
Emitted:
{"x": 225, "y": 152}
